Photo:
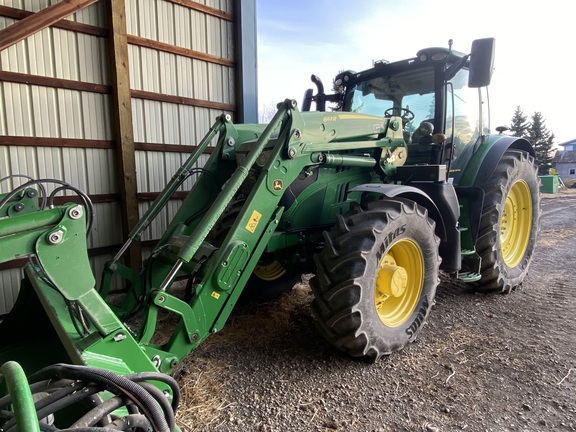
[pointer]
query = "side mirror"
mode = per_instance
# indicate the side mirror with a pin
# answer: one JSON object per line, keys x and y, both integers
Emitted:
{"x": 481, "y": 62}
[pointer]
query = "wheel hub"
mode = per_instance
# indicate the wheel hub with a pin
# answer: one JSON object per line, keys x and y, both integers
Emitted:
{"x": 399, "y": 282}
{"x": 392, "y": 280}
{"x": 269, "y": 271}
{"x": 516, "y": 223}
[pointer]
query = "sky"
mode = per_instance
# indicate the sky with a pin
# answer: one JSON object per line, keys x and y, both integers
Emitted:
{"x": 534, "y": 67}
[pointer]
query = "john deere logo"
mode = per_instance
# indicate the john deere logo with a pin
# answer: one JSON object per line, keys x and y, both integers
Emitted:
{"x": 278, "y": 185}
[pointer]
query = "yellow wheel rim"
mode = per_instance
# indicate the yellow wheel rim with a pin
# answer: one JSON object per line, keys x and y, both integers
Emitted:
{"x": 399, "y": 283}
{"x": 269, "y": 271}
{"x": 516, "y": 223}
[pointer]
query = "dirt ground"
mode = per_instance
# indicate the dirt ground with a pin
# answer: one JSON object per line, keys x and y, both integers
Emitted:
{"x": 483, "y": 363}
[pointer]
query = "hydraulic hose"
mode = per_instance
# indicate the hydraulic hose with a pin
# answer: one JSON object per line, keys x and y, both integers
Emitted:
{"x": 166, "y": 379}
{"x": 84, "y": 197}
{"x": 145, "y": 402}
{"x": 61, "y": 386}
{"x": 99, "y": 412}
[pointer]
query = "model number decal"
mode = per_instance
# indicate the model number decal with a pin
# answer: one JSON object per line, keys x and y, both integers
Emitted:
{"x": 253, "y": 222}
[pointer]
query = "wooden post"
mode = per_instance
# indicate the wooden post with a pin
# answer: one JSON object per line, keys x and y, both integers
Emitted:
{"x": 123, "y": 128}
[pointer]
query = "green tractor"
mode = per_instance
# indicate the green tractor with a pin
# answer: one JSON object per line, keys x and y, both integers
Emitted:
{"x": 401, "y": 180}
{"x": 454, "y": 198}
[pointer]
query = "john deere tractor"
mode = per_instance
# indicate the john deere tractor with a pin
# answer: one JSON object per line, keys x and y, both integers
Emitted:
{"x": 398, "y": 180}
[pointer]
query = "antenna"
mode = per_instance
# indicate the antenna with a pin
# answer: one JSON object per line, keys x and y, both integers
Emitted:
{"x": 450, "y": 42}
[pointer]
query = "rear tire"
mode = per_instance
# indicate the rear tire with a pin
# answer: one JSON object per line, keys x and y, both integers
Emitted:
{"x": 509, "y": 224}
{"x": 376, "y": 278}
{"x": 270, "y": 279}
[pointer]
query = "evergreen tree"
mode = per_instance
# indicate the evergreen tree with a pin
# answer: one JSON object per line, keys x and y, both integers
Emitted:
{"x": 547, "y": 154}
{"x": 266, "y": 112}
{"x": 542, "y": 141}
{"x": 519, "y": 124}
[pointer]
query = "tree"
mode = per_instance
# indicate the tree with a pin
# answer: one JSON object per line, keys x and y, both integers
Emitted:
{"x": 519, "y": 124}
{"x": 542, "y": 141}
{"x": 266, "y": 112}
{"x": 549, "y": 157}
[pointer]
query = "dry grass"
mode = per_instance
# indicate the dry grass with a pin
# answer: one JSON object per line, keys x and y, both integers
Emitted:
{"x": 202, "y": 398}
{"x": 200, "y": 375}
{"x": 257, "y": 325}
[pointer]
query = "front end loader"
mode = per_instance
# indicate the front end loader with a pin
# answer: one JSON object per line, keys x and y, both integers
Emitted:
{"x": 399, "y": 182}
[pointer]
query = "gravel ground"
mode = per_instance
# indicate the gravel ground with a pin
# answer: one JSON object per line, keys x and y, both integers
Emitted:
{"x": 483, "y": 363}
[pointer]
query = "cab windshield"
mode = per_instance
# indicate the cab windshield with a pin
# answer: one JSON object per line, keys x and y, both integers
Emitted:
{"x": 414, "y": 90}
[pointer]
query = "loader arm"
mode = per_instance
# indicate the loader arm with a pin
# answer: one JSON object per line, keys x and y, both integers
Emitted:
{"x": 101, "y": 335}
{"x": 218, "y": 274}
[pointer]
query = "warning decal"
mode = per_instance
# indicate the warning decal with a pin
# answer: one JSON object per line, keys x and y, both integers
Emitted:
{"x": 253, "y": 222}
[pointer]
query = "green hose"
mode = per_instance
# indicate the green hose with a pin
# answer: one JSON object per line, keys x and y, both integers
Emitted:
{"x": 22, "y": 402}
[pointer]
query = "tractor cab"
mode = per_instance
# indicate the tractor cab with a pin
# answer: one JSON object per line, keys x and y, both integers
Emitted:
{"x": 440, "y": 95}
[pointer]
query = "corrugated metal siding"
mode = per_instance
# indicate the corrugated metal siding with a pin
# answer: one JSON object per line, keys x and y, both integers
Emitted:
{"x": 155, "y": 71}
{"x": 40, "y": 111}
{"x": 58, "y": 114}
{"x": 9, "y": 279}
{"x": 93, "y": 15}
{"x": 37, "y": 111}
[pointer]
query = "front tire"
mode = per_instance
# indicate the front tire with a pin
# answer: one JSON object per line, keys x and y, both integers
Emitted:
{"x": 376, "y": 278}
{"x": 509, "y": 223}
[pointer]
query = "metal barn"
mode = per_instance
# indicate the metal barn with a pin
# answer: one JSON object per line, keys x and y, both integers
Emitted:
{"x": 111, "y": 96}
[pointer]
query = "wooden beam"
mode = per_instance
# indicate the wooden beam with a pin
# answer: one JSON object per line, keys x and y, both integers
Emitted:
{"x": 182, "y": 100}
{"x": 203, "y": 8}
{"x": 9, "y": 12}
{"x": 171, "y": 148}
{"x": 123, "y": 129}
{"x": 173, "y": 49}
{"x": 59, "y": 83}
{"x": 26, "y": 141}
{"x": 95, "y": 198}
{"x": 39, "y": 21}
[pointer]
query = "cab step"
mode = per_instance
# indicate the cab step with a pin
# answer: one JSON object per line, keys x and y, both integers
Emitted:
{"x": 469, "y": 276}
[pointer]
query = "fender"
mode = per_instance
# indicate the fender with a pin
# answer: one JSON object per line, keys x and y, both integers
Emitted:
{"x": 476, "y": 169}
{"x": 410, "y": 192}
{"x": 442, "y": 204}
{"x": 470, "y": 174}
